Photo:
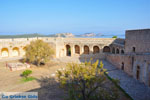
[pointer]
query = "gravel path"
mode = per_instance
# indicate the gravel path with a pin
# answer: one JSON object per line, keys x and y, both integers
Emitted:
{"x": 137, "y": 90}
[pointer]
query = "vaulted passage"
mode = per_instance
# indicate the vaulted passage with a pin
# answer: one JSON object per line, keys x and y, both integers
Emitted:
{"x": 95, "y": 49}
{"x": 4, "y": 52}
{"x": 106, "y": 49}
{"x": 86, "y": 49}
{"x": 15, "y": 52}
{"x": 77, "y": 49}
{"x": 122, "y": 51}
{"x": 68, "y": 50}
{"x": 138, "y": 73}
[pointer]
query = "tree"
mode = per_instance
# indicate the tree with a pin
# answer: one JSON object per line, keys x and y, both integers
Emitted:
{"x": 26, "y": 73}
{"x": 86, "y": 81}
{"x": 114, "y": 37}
{"x": 38, "y": 52}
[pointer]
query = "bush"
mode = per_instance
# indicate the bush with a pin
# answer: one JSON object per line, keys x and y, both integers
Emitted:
{"x": 86, "y": 81}
{"x": 114, "y": 37}
{"x": 26, "y": 73}
{"x": 38, "y": 52}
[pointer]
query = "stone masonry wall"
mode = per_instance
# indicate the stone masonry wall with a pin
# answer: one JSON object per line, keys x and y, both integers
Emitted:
{"x": 117, "y": 61}
{"x": 140, "y": 39}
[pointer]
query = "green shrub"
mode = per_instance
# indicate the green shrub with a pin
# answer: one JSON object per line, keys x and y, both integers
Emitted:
{"x": 26, "y": 73}
{"x": 114, "y": 37}
{"x": 86, "y": 81}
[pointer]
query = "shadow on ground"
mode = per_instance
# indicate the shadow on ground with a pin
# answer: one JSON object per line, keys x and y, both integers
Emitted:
{"x": 49, "y": 89}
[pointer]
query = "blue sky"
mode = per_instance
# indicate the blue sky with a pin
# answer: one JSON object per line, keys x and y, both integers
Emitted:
{"x": 75, "y": 16}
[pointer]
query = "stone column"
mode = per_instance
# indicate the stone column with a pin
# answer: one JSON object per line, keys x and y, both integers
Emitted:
{"x": 21, "y": 52}
{"x": 72, "y": 50}
{"x": 81, "y": 49}
{"x": 91, "y": 49}
{"x": 10, "y": 52}
{"x": 134, "y": 70}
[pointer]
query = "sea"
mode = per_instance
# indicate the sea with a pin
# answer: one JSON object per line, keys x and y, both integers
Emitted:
{"x": 104, "y": 36}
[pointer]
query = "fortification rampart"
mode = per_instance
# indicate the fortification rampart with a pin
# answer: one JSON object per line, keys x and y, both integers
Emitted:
{"x": 131, "y": 55}
{"x": 80, "y": 47}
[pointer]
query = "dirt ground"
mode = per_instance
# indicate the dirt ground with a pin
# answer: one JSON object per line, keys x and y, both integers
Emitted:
{"x": 45, "y": 85}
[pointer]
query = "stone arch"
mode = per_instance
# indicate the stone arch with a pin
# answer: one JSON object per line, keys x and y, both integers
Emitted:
{"x": 106, "y": 49}
{"x": 4, "y": 52}
{"x": 68, "y": 50}
{"x": 86, "y": 49}
{"x": 15, "y": 52}
{"x": 138, "y": 72}
{"x": 95, "y": 49}
{"x": 113, "y": 50}
{"x": 122, "y": 51}
{"x": 133, "y": 49}
{"x": 117, "y": 51}
{"x": 122, "y": 66}
{"x": 77, "y": 49}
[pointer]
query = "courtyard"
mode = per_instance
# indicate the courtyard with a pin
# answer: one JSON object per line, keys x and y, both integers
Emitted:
{"x": 45, "y": 83}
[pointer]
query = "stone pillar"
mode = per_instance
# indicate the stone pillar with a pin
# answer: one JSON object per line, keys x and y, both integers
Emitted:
{"x": 72, "y": 50}
{"x": 81, "y": 49}
{"x": 134, "y": 70}
{"x": 91, "y": 49}
{"x": 10, "y": 51}
{"x": 65, "y": 50}
{"x": 21, "y": 52}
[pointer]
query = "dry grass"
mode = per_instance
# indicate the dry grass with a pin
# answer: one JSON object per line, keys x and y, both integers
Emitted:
{"x": 45, "y": 85}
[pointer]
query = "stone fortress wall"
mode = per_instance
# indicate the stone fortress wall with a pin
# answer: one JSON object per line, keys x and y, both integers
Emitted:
{"x": 131, "y": 54}
{"x": 16, "y": 47}
{"x": 135, "y": 60}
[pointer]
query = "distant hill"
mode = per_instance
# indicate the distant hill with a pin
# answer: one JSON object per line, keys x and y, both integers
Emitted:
{"x": 23, "y": 36}
{"x": 89, "y": 35}
{"x": 37, "y": 35}
{"x": 62, "y": 35}
{"x": 93, "y": 35}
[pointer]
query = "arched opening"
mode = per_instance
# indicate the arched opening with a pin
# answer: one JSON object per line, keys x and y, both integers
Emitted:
{"x": 68, "y": 50}
{"x": 95, "y": 49}
{"x": 133, "y": 49}
{"x": 106, "y": 49}
{"x": 86, "y": 49}
{"x": 4, "y": 52}
{"x": 122, "y": 51}
{"x": 138, "y": 73}
{"x": 77, "y": 49}
{"x": 113, "y": 50}
{"x": 117, "y": 51}
{"x": 15, "y": 52}
{"x": 122, "y": 66}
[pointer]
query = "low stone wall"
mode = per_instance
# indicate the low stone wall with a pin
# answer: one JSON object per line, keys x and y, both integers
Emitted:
{"x": 93, "y": 56}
